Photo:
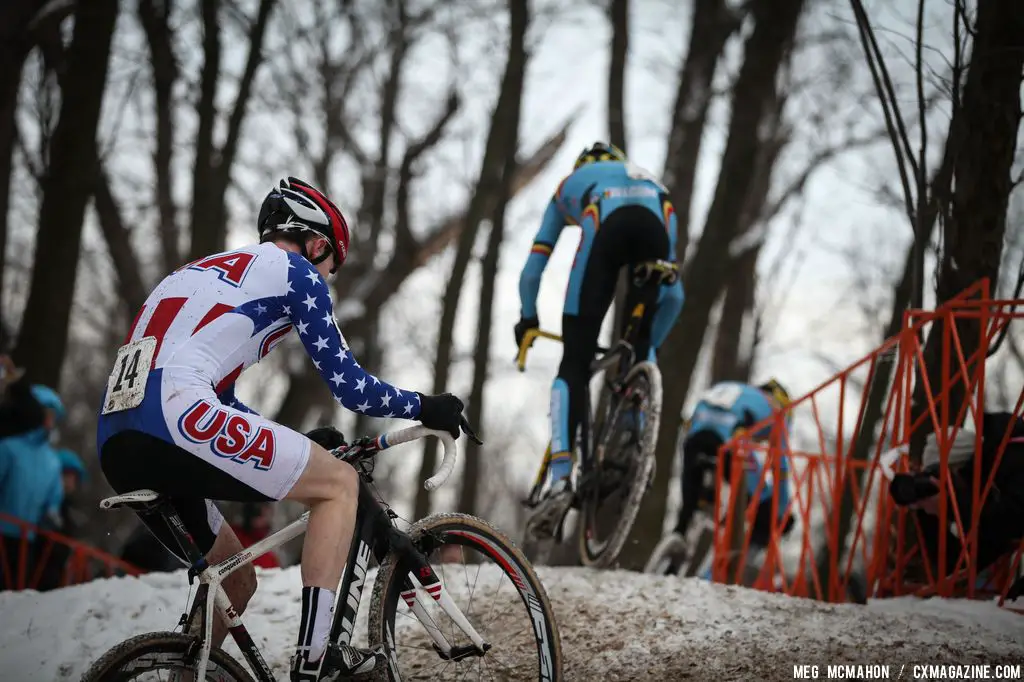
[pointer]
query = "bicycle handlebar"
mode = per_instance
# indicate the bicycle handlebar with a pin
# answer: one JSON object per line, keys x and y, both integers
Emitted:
{"x": 529, "y": 337}
{"x": 532, "y": 335}
{"x": 387, "y": 440}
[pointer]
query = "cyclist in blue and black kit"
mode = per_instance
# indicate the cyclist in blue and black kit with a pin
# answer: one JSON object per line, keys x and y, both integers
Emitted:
{"x": 625, "y": 218}
{"x": 724, "y": 410}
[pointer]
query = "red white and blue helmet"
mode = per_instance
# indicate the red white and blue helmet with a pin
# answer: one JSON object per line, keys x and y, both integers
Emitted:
{"x": 297, "y": 206}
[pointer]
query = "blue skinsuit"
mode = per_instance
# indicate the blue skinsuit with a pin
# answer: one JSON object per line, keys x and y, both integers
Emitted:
{"x": 727, "y": 407}
{"x": 587, "y": 198}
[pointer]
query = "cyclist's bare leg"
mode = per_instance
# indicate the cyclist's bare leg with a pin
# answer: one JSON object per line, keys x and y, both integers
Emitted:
{"x": 239, "y": 586}
{"x": 330, "y": 488}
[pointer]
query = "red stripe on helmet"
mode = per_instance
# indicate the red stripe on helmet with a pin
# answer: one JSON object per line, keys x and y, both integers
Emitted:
{"x": 339, "y": 227}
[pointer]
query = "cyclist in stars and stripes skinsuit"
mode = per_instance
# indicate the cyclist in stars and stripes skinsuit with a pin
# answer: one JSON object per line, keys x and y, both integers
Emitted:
{"x": 171, "y": 422}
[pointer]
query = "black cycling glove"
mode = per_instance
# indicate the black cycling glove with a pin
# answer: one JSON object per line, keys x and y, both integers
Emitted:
{"x": 441, "y": 412}
{"x": 327, "y": 437}
{"x": 524, "y": 325}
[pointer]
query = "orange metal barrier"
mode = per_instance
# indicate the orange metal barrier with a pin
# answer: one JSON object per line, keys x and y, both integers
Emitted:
{"x": 25, "y": 562}
{"x": 883, "y": 540}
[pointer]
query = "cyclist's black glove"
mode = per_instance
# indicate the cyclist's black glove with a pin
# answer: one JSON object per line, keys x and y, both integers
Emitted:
{"x": 327, "y": 437}
{"x": 524, "y": 325}
{"x": 441, "y": 412}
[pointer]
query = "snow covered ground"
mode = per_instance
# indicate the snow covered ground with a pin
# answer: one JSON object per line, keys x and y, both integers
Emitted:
{"x": 614, "y": 625}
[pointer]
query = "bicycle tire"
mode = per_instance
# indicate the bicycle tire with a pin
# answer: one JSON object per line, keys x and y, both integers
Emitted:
{"x": 468, "y": 531}
{"x": 110, "y": 666}
{"x": 701, "y": 553}
{"x": 664, "y": 555}
{"x": 602, "y": 555}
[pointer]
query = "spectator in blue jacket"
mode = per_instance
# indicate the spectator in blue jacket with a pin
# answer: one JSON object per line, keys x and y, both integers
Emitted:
{"x": 31, "y": 487}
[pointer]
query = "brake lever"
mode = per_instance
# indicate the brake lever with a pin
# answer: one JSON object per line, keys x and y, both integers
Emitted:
{"x": 468, "y": 430}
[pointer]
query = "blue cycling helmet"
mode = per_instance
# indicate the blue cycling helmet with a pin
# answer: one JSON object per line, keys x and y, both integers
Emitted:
{"x": 600, "y": 151}
{"x": 47, "y": 397}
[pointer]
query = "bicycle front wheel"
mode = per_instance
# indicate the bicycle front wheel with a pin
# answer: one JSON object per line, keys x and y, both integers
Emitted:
{"x": 668, "y": 555}
{"x": 623, "y": 468}
{"x": 494, "y": 587}
{"x": 141, "y": 657}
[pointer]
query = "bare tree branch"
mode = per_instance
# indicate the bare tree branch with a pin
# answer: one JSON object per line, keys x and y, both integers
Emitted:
{"x": 131, "y": 289}
{"x": 820, "y": 158}
{"x": 404, "y": 239}
{"x": 890, "y": 106}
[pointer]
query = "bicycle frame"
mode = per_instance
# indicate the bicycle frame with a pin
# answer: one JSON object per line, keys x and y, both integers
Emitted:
{"x": 374, "y": 531}
{"x": 621, "y": 353}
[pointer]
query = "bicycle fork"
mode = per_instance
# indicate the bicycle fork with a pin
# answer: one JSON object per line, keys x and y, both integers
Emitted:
{"x": 422, "y": 577}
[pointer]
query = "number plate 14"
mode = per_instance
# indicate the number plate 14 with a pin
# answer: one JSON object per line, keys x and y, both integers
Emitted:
{"x": 126, "y": 386}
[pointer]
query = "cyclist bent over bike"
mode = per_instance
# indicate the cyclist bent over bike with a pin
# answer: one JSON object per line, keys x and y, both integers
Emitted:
{"x": 723, "y": 410}
{"x": 171, "y": 422}
{"x": 625, "y": 218}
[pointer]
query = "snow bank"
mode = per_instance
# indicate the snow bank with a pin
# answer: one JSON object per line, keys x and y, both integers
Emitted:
{"x": 615, "y": 625}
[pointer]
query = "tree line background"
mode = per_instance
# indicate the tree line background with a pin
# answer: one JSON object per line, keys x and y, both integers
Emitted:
{"x": 877, "y": 142}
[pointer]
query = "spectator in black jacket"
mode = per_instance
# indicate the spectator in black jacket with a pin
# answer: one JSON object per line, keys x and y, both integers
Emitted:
{"x": 19, "y": 411}
{"x": 1001, "y": 521}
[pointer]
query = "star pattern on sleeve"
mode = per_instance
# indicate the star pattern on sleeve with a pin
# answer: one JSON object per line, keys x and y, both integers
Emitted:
{"x": 308, "y": 305}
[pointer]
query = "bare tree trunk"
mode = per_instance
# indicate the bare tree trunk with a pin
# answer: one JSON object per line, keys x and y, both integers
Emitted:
{"x": 713, "y": 23}
{"x": 8, "y": 110}
{"x": 974, "y": 233}
{"x": 66, "y": 188}
{"x": 155, "y": 19}
{"x": 754, "y": 102}
{"x": 204, "y": 233}
{"x": 504, "y": 124}
{"x": 618, "y": 15}
{"x": 130, "y": 286}
{"x": 15, "y": 43}
{"x": 212, "y": 171}
{"x": 728, "y": 361}
{"x": 470, "y": 493}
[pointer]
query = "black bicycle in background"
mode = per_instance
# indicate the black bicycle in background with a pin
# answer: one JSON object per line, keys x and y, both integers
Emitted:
{"x": 614, "y": 460}
{"x": 413, "y": 610}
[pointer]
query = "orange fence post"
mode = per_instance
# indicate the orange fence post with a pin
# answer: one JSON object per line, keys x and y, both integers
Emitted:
{"x": 83, "y": 562}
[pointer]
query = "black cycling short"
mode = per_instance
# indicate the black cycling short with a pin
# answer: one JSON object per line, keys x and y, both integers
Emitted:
{"x": 628, "y": 235}
{"x": 132, "y": 460}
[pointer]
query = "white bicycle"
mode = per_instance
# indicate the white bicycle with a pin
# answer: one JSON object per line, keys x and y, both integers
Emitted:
{"x": 408, "y": 584}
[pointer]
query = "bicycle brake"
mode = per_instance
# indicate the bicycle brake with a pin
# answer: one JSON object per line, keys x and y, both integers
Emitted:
{"x": 468, "y": 430}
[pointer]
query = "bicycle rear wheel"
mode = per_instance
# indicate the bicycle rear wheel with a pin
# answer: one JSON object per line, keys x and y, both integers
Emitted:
{"x": 623, "y": 468}
{"x": 495, "y": 588}
{"x": 138, "y": 657}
